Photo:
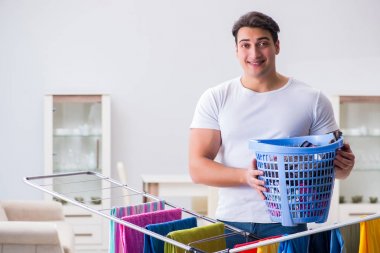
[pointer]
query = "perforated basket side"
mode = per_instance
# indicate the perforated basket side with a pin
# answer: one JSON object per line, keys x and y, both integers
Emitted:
{"x": 299, "y": 184}
{"x": 298, "y": 192}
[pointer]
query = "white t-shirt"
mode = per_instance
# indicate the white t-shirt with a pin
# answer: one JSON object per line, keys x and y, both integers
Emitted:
{"x": 241, "y": 114}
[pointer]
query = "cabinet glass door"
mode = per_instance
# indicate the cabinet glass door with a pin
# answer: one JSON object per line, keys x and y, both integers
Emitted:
{"x": 77, "y": 137}
{"x": 360, "y": 124}
{"x": 77, "y": 133}
{"x": 77, "y": 143}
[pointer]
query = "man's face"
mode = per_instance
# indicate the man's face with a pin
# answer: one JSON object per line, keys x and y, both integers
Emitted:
{"x": 256, "y": 52}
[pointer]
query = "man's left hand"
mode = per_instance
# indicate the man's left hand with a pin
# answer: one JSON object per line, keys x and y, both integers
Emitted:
{"x": 344, "y": 161}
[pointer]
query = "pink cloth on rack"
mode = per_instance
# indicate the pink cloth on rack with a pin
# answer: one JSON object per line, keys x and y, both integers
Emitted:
{"x": 119, "y": 212}
{"x": 133, "y": 240}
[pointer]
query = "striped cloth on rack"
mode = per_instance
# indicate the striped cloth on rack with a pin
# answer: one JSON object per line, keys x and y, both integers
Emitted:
{"x": 133, "y": 240}
{"x": 192, "y": 235}
{"x": 122, "y": 211}
{"x": 153, "y": 245}
{"x": 140, "y": 208}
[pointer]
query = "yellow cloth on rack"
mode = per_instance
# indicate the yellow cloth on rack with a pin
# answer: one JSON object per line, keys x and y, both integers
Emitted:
{"x": 271, "y": 248}
{"x": 369, "y": 236}
{"x": 192, "y": 235}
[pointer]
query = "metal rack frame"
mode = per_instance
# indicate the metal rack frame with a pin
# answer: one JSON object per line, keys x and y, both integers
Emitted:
{"x": 188, "y": 248}
{"x": 45, "y": 188}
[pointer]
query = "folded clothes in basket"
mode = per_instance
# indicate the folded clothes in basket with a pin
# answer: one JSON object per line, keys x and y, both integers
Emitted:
{"x": 337, "y": 134}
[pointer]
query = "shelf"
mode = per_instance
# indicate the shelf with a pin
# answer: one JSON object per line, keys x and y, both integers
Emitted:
{"x": 359, "y": 204}
{"x": 76, "y": 170}
{"x": 77, "y": 135}
{"x": 359, "y": 99}
{"x": 361, "y": 135}
{"x": 365, "y": 169}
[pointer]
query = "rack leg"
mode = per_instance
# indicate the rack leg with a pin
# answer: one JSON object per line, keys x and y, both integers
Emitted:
{"x": 151, "y": 188}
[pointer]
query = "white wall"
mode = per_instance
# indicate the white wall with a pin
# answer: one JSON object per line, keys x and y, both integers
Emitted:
{"x": 155, "y": 58}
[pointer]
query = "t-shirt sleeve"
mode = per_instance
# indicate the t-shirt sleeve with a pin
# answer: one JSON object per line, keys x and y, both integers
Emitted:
{"x": 206, "y": 112}
{"x": 324, "y": 120}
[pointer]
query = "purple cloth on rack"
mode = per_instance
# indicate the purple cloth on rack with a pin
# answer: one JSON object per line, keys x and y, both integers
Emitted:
{"x": 133, "y": 240}
{"x": 119, "y": 212}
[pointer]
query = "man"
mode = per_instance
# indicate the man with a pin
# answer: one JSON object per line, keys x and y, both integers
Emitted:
{"x": 261, "y": 104}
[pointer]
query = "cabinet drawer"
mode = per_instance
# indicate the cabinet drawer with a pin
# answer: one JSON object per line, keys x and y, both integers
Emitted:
{"x": 88, "y": 234}
{"x": 83, "y": 219}
{"x": 75, "y": 215}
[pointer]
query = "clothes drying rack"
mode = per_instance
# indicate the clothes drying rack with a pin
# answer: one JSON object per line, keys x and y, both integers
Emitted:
{"x": 48, "y": 183}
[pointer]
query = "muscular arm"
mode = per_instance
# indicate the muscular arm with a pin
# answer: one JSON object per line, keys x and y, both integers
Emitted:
{"x": 204, "y": 146}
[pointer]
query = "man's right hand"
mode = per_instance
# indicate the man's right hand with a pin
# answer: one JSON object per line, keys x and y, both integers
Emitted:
{"x": 253, "y": 181}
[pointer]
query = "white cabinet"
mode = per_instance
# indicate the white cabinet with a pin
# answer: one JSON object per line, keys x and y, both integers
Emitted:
{"x": 359, "y": 119}
{"x": 77, "y": 138}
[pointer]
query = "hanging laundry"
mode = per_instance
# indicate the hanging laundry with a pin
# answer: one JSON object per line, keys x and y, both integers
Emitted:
{"x": 351, "y": 236}
{"x": 192, "y": 235}
{"x": 272, "y": 248}
{"x": 119, "y": 212}
{"x": 320, "y": 242}
{"x": 336, "y": 242}
{"x": 369, "y": 236}
{"x": 153, "y": 245}
{"x": 296, "y": 245}
{"x": 133, "y": 240}
{"x": 327, "y": 241}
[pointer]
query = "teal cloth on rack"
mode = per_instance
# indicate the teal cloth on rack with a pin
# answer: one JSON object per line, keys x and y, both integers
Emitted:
{"x": 119, "y": 212}
{"x": 192, "y": 235}
{"x": 153, "y": 245}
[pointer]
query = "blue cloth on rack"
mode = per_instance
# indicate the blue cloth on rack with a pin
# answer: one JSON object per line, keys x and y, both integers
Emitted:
{"x": 327, "y": 242}
{"x": 337, "y": 242}
{"x": 297, "y": 245}
{"x": 153, "y": 245}
{"x": 320, "y": 242}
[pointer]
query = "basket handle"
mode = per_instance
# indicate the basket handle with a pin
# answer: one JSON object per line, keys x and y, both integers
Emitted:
{"x": 286, "y": 218}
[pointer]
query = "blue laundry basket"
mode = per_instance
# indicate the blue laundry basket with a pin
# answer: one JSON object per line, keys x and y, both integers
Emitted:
{"x": 299, "y": 180}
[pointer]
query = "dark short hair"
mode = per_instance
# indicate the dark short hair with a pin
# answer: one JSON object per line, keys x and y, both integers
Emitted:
{"x": 256, "y": 19}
